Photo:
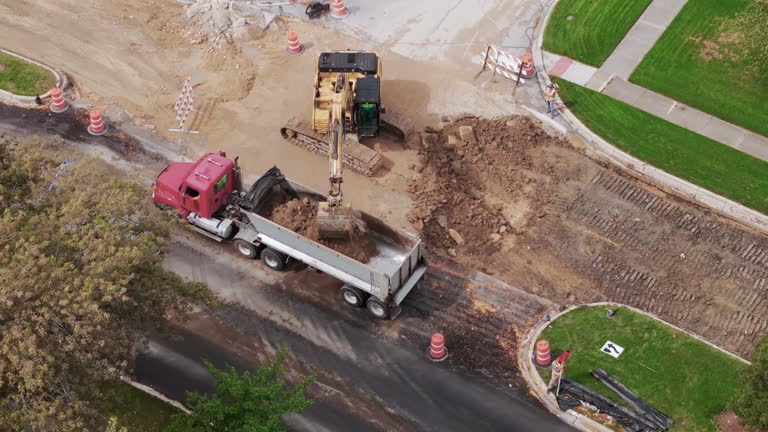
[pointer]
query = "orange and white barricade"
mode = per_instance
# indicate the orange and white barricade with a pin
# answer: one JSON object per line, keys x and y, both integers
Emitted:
{"x": 183, "y": 106}
{"x": 501, "y": 62}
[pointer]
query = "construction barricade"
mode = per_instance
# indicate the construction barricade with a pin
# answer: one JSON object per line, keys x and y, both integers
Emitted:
{"x": 502, "y": 63}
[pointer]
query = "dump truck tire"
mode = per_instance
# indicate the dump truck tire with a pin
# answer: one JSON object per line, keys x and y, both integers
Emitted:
{"x": 353, "y": 296}
{"x": 377, "y": 308}
{"x": 246, "y": 249}
{"x": 274, "y": 259}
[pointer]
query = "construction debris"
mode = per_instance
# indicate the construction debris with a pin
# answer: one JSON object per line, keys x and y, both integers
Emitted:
{"x": 217, "y": 21}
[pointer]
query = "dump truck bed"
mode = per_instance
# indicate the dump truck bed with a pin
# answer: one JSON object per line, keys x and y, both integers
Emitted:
{"x": 389, "y": 275}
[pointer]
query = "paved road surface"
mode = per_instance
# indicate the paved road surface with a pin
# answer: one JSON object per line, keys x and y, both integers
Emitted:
{"x": 390, "y": 384}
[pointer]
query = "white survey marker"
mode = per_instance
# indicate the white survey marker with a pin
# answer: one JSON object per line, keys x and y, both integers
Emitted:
{"x": 612, "y": 349}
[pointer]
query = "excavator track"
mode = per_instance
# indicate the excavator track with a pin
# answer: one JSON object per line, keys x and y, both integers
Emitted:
{"x": 357, "y": 157}
{"x": 395, "y": 125}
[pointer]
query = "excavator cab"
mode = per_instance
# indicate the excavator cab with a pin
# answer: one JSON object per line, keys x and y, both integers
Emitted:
{"x": 367, "y": 106}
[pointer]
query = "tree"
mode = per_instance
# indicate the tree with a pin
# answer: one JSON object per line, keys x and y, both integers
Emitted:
{"x": 245, "y": 403}
{"x": 752, "y": 27}
{"x": 81, "y": 282}
{"x": 113, "y": 426}
{"x": 751, "y": 403}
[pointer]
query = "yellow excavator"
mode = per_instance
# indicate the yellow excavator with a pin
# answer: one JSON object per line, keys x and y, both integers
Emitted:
{"x": 347, "y": 100}
{"x": 364, "y": 116}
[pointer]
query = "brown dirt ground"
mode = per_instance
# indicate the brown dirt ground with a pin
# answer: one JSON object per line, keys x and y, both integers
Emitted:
{"x": 728, "y": 421}
{"x": 726, "y": 47}
{"x": 301, "y": 216}
{"x": 535, "y": 212}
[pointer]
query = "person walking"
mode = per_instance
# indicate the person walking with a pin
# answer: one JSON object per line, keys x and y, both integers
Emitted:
{"x": 550, "y": 96}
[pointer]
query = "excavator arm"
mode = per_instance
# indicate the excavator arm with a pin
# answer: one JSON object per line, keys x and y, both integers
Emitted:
{"x": 333, "y": 217}
{"x": 336, "y": 136}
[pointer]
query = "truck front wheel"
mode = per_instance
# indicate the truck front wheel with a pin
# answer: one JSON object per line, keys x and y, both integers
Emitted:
{"x": 246, "y": 249}
{"x": 353, "y": 296}
{"x": 377, "y": 308}
{"x": 273, "y": 259}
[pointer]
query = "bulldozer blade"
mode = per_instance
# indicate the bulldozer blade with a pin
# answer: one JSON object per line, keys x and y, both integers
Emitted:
{"x": 334, "y": 222}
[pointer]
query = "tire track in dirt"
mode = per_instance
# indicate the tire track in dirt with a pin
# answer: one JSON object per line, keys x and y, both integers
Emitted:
{"x": 578, "y": 231}
{"x": 670, "y": 258}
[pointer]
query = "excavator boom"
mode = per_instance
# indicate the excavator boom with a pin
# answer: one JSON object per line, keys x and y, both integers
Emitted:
{"x": 333, "y": 218}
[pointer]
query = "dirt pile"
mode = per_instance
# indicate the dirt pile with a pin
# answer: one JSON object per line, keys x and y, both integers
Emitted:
{"x": 301, "y": 216}
{"x": 217, "y": 21}
{"x": 471, "y": 171}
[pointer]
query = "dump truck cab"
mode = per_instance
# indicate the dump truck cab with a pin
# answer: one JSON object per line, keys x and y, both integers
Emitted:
{"x": 201, "y": 188}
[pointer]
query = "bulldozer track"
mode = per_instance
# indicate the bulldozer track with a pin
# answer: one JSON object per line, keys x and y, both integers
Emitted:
{"x": 668, "y": 257}
{"x": 357, "y": 157}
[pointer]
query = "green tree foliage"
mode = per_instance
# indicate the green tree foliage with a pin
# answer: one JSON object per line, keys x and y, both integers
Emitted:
{"x": 752, "y": 27}
{"x": 751, "y": 403}
{"x": 245, "y": 403}
{"x": 80, "y": 283}
{"x": 113, "y": 426}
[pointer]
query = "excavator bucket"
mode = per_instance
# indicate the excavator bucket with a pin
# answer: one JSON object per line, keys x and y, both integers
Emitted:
{"x": 334, "y": 222}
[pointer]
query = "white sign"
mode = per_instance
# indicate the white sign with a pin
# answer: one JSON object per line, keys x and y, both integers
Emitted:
{"x": 612, "y": 349}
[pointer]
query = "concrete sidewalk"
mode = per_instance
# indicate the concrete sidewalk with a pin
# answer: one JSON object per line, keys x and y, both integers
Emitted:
{"x": 600, "y": 148}
{"x": 612, "y": 79}
{"x": 687, "y": 117}
{"x": 661, "y": 106}
{"x": 568, "y": 69}
{"x": 638, "y": 42}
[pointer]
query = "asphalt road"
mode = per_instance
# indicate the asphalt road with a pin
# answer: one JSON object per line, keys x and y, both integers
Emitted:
{"x": 388, "y": 384}
{"x": 369, "y": 378}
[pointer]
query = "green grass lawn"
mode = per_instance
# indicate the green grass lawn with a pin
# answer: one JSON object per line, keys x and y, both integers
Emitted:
{"x": 674, "y": 67}
{"x": 595, "y": 30}
{"x": 674, "y": 149}
{"x": 134, "y": 409}
{"x": 689, "y": 381}
{"x": 22, "y": 78}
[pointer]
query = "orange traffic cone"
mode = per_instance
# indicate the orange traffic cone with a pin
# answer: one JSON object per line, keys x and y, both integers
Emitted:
{"x": 294, "y": 47}
{"x": 338, "y": 10}
{"x": 97, "y": 126}
{"x": 58, "y": 104}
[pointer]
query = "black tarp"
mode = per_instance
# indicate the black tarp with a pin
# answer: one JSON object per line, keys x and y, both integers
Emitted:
{"x": 571, "y": 390}
{"x": 262, "y": 186}
{"x": 662, "y": 421}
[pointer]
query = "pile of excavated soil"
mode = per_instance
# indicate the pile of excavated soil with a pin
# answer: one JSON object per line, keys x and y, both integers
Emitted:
{"x": 471, "y": 170}
{"x": 301, "y": 216}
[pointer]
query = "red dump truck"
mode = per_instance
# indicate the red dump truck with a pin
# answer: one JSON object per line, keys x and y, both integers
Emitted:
{"x": 209, "y": 195}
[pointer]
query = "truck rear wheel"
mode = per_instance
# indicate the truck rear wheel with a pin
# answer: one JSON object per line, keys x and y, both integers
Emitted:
{"x": 246, "y": 249}
{"x": 273, "y": 259}
{"x": 353, "y": 296}
{"x": 377, "y": 308}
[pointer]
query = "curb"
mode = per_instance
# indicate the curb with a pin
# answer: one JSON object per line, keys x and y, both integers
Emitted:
{"x": 154, "y": 393}
{"x": 601, "y": 149}
{"x": 539, "y": 388}
{"x": 29, "y": 101}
